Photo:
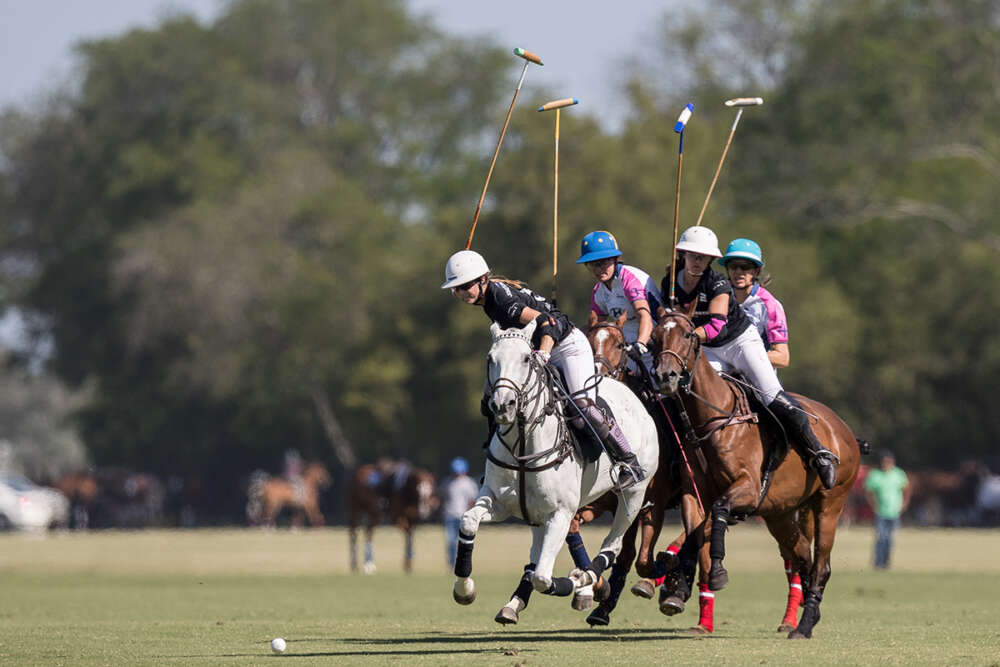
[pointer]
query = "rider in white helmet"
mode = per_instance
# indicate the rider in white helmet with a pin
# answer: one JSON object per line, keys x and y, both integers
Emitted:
{"x": 510, "y": 303}
{"x": 728, "y": 336}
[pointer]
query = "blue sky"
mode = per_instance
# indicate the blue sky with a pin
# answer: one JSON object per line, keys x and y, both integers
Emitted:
{"x": 583, "y": 42}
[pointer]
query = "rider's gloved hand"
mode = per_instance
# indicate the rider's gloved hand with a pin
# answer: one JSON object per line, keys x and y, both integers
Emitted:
{"x": 542, "y": 356}
{"x": 637, "y": 350}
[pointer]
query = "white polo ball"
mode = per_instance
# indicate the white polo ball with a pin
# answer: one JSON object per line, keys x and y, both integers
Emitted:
{"x": 278, "y": 645}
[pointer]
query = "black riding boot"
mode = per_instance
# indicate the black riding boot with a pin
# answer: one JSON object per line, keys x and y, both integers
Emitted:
{"x": 796, "y": 423}
{"x": 615, "y": 444}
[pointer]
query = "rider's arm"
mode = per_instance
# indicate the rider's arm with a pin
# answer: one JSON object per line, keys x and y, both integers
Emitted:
{"x": 641, "y": 307}
{"x": 719, "y": 308}
{"x": 547, "y": 342}
{"x": 778, "y": 355}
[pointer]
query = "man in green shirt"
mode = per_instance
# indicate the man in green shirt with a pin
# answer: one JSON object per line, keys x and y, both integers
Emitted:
{"x": 888, "y": 492}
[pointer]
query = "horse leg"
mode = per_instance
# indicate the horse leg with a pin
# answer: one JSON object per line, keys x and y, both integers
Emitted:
{"x": 484, "y": 509}
{"x": 793, "y": 545}
{"x": 407, "y": 546}
{"x": 369, "y": 566}
{"x": 742, "y": 493}
{"x": 677, "y": 584}
{"x": 706, "y": 597}
{"x": 627, "y": 510}
{"x": 583, "y": 598}
{"x": 550, "y": 538}
{"x": 826, "y": 529}
{"x": 616, "y": 582}
{"x": 352, "y": 531}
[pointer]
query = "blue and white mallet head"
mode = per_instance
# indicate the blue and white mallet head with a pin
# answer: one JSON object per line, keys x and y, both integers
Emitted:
{"x": 683, "y": 118}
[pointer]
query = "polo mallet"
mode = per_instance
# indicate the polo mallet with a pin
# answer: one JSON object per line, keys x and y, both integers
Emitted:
{"x": 529, "y": 57}
{"x": 549, "y": 106}
{"x": 739, "y": 102}
{"x": 679, "y": 129}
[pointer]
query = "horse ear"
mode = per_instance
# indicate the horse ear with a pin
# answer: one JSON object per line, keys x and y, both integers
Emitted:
{"x": 620, "y": 322}
{"x": 529, "y": 329}
{"x": 689, "y": 311}
{"x": 495, "y": 330}
{"x": 591, "y": 320}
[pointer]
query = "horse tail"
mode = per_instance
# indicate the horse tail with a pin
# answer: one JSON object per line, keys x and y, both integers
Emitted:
{"x": 255, "y": 489}
{"x": 864, "y": 446}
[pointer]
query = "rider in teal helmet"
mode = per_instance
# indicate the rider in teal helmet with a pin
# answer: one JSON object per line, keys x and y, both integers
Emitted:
{"x": 743, "y": 249}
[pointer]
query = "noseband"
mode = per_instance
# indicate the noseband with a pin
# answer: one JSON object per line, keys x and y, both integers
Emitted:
{"x": 615, "y": 371}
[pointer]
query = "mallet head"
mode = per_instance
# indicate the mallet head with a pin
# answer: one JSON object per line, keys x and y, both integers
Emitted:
{"x": 559, "y": 104}
{"x": 684, "y": 117}
{"x": 528, "y": 55}
{"x": 744, "y": 102}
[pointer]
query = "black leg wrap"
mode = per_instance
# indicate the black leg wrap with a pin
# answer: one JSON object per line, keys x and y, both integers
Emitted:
{"x": 720, "y": 521}
{"x": 617, "y": 583}
{"x": 524, "y": 588}
{"x": 810, "y": 614}
{"x": 601, "y": 563}
{"x": 561, "y": 587}
{"x": 463, "y": 558}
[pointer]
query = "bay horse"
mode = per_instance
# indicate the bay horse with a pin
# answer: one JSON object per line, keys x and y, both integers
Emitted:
{"x": 736, "y": 472}
{"x": 407, "y": 494}
{"x": 83, "y": 490}
{"x": 267, "y": 496}
{"x": 607, "y": 338}
{"x": 533, "y": 471}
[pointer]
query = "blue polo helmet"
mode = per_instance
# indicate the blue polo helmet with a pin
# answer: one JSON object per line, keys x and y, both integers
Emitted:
{"x": 598, "y": 245}
{"x": 459, "y": 466}
{"x": 743, "y": 249}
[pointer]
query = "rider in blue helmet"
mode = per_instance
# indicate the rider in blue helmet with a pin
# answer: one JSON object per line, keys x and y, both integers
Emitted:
{"x": 743, "y": 261}
{"x": 459, "y": 466}
{"x": 621, "y": 289}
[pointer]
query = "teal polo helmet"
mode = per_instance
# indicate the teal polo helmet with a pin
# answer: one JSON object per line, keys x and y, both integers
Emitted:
{"x": 743, "y": 249}
{"x": 598, "y": 245}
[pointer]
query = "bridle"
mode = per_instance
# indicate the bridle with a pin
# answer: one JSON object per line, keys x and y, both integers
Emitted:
{"x": 690, "y": 357}
{"x": 615, "y": 371}
{"x": 534, "y": 402}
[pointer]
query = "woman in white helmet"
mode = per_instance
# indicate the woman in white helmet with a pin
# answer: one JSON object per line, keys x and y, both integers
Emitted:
{"x": 729, "y": 336}
{"x": 510, "y": 303}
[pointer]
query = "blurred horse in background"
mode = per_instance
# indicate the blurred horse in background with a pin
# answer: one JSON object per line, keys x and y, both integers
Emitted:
{"x": 267, "y": 496}
{"x": 406, "y": 494}
{"x": 82, "y": 490}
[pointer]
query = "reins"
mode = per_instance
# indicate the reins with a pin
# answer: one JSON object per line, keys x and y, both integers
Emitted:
{"x": 531, "y": 413}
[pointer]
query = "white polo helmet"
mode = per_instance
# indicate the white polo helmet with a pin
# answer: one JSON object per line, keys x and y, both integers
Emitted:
{"x": 463, "y": 267}
{"x": 701, "y": 240}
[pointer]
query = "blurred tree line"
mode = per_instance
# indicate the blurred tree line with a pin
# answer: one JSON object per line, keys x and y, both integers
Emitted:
{"x": 230, "y": 237}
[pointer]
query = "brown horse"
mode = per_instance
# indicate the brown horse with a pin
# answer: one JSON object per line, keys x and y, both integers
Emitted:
{"x": 267, "y": 496}
{"x": 83, "y": 490}
{"x": 736, "y": 476}
{"x": 408, "y": 494}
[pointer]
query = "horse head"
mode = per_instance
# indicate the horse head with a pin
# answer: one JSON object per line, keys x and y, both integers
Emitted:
{"x": 676, "y": 350}
{"x": 511, "y": 367}
{"x": 427, "y": 501}
{"x": 607, "y": 339}
{"x": 316, "y": 475}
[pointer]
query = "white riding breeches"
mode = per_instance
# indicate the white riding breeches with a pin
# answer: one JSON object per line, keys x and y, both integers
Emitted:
{"x": 574, "y": 357}
{"x": 746, "y": 354}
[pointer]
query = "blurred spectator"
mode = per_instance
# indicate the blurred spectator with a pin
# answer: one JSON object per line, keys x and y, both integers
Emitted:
{"x": 888, "y": 493}
{"x": 459, "y": 493}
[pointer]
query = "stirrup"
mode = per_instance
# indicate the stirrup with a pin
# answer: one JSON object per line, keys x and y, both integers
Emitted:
{"x": 625, "y": 476}
{"x": 825, "y": 454}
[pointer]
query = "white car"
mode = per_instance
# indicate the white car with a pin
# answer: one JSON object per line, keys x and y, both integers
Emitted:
{"x": 27, "y": 506}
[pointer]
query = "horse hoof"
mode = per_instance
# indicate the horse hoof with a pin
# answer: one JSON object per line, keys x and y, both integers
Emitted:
{"x": 795, "y": 634}
{"x": 464, "y": 591}
{"x": 583, "y": 598}
{"x": 599, "y": 616}
{"x": 671, "y": 605}
{"x": 718, "y": 579}
{"x": 644, "y": 588}
{"x": 699, "y": 630}
{"x": 506, "y": 616}
{"x": 786, "y": 627}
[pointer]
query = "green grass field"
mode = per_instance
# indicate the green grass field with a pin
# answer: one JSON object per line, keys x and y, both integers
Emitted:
{"x": 218, "y": 597}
